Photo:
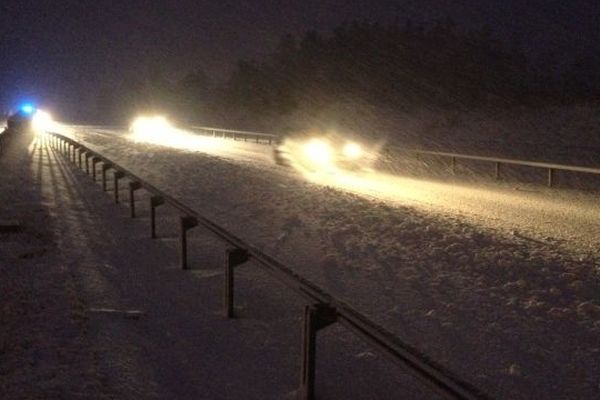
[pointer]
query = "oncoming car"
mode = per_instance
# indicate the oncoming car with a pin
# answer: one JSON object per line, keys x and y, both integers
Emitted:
{"x": 318, "y": 151}
{"x": 21, "y": 120}
{"x": 30, "y": 119}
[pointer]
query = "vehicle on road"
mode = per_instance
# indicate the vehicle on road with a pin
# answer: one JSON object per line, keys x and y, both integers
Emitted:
{"x": 22, "y": 119}
{"x": 324, "y": 151}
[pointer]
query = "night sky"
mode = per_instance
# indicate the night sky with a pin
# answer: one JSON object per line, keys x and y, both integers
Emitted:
{"x": 62, "y": 52}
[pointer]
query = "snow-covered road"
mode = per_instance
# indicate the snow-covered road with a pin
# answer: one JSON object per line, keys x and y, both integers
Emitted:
{"x": 500, "y": 282}
{"x": 566, "y": 217}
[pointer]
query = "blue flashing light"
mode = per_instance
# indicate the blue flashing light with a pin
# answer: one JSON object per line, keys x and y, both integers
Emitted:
{"x": 27, "y": 108}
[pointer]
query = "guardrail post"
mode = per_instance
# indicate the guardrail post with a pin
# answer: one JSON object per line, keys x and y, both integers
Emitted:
{"x": 235, "y": 257}
{"x": 155, "y": 201}
{"x": 79, "y": 154}
{"x": 497, "y": 172}
{"x": 453, "y": 165}
{"x": 118, "y": 175}
{"x": 133, "y": 186}
{"x": 105, "y": 167}
{"x": 550, "y": 177}
{"x": 95, "y": 160}
{"x": 186, "y": 223}
{"x": 87, "y": 165}
{"x": 316, "y": 317}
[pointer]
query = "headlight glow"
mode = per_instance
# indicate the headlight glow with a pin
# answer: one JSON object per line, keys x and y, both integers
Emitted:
{"x": 319, "y": 152}
{"x": 158, "y": 130}
{"x": 42, "y": 122}
{"x": 352, "y": 150}
{"x": 150, "y": 127}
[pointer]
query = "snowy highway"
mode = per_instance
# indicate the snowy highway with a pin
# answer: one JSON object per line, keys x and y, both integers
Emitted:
{"x": 485, "y": 277}
{"x": 565, "y": 217}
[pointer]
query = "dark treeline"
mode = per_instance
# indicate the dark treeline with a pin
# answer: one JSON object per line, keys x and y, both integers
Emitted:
{"x": 393, "y": 68}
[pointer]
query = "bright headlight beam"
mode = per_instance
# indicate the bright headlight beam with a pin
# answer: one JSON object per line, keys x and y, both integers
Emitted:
{"x": 158, "y": 131}
{"x": 319, "y": 152}
{"x": 352, "y": 150}
{"x": 150, "y": 127}
{"x": 42, "y": 122}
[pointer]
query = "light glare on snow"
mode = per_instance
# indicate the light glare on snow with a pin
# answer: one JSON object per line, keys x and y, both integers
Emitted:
{"x": 42, "y": 122}
{"x": 375, "y": 184}
{"x": 150, "y": 127}
{"x": 319, "y": 152}
{"x": 157, "y": 130}
{"x": 353, "y": 150}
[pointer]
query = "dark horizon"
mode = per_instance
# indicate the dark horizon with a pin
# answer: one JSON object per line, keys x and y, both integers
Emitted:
{"x": 64, "y": 55}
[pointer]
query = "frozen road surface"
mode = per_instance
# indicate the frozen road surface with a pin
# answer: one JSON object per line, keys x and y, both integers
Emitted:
{"x": 571, "y": 218}
{"x": 500, "y": 282}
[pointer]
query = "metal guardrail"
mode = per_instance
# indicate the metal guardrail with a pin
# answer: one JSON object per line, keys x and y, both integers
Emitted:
{"x": 498, "y": 162}
{"x": 235, "y": 135}
{"x": 322, "y": 309}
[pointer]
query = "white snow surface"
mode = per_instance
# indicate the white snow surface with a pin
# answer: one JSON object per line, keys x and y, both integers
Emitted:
{"x": 92, "y": 308}
{"x": 500, "y": 282}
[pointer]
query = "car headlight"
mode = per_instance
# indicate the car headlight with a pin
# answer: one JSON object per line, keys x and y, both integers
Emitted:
{"x": 319, "y": 152}
{"x": 150, "y": 126}
{"x": 352, "y": 150}
{"x": 42, "y": 121}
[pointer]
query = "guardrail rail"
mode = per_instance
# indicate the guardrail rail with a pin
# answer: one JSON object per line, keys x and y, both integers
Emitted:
{"x": 237, "y": 135}
{"x": 321, "y": 310}
{"x": 454, "y": 157}
{"x": 498, "y": 162}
